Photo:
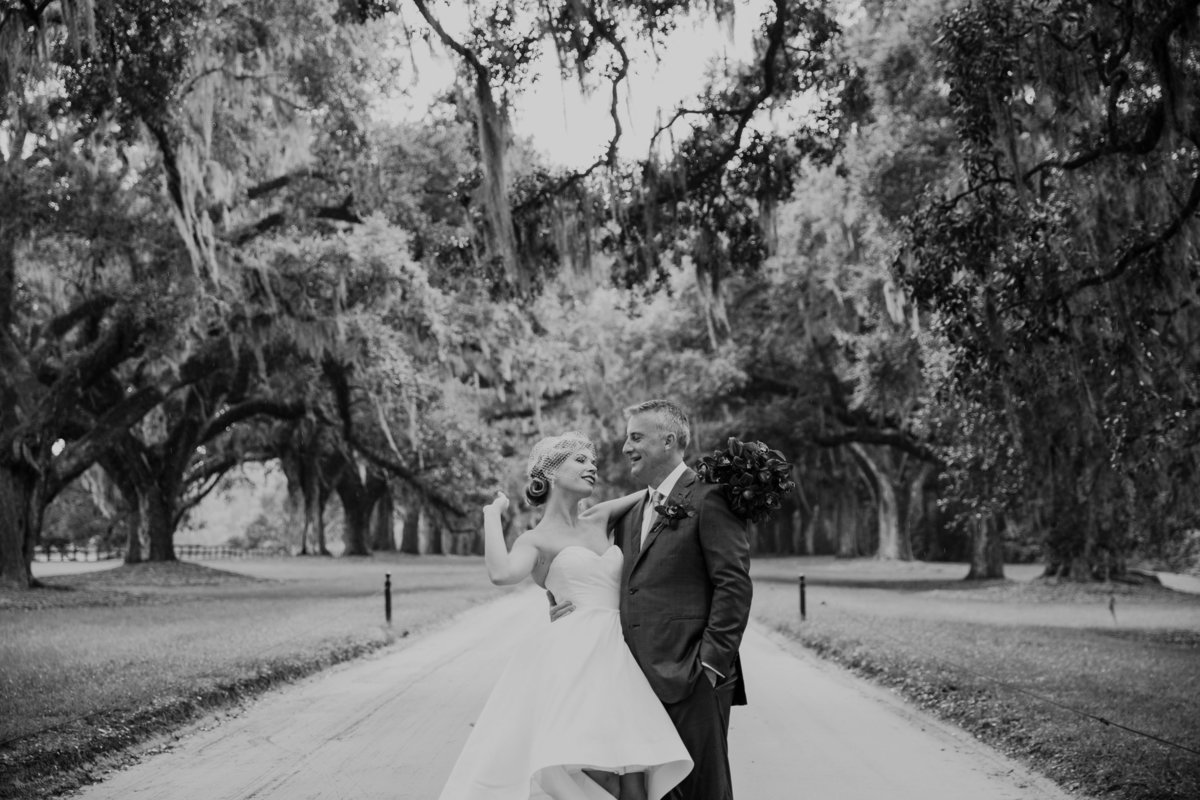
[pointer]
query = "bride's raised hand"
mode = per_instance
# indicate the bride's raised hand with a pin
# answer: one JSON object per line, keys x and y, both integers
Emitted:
{"x": 499, "y": 502}
{"x": 505, "y": 566}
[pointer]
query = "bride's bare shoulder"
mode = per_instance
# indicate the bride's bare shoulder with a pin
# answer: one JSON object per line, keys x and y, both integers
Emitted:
{"x": 534, "y": 537}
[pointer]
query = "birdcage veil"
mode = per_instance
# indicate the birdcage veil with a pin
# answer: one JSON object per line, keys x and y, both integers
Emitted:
{"x": 547, "y": 456}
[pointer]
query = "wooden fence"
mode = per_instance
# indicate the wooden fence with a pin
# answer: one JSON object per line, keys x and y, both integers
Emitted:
{"x": 195, "y": 552}
{"x": 73, "y": 552}
{"x": 206, "y": 552}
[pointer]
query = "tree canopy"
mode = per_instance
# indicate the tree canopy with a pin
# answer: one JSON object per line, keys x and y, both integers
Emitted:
{"x": 937, "y": 252}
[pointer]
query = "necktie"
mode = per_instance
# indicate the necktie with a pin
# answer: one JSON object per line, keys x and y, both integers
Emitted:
{"x": 650, "y": 516}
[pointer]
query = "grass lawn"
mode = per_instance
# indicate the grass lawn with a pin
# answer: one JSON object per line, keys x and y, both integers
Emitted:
{"x": 106, "y": 659}
{"x": 976, "y": 654}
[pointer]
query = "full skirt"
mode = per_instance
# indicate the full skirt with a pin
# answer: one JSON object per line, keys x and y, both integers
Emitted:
{"x": 572, "y": 697}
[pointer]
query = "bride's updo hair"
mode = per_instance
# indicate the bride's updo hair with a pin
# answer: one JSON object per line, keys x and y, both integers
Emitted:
{"x": 546, "y": 457}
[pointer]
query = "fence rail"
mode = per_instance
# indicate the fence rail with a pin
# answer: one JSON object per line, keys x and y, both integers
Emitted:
{"x": 74, "y": 553}
{"x": 204, "y": 552}
{"x": 197, "y": 552}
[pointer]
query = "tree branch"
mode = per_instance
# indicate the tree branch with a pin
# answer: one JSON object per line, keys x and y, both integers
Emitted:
{"x": 603, "y": 30}
{"x": 896, "y": 439}
{"x": 220, "y": 464}
{"x": 1139, "y": 249}
{"x": 120, "y": 340}
{"x": 186, "y": 504}
{"x": 107, "y": 430}
{"x": 776, "y": 33}
{"x": 344, "y": 212}
{"x": 336, "y": 374}
{"x": 1163, "y": 109}
{"x": 268, "y": 186}
{"x": 258, "y": 406}
{"x": 481, "y": 72}
{"x": 90, "y": 309}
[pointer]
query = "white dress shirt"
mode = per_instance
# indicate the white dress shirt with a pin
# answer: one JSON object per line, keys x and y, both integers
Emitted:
{"x": 664, "y": 488}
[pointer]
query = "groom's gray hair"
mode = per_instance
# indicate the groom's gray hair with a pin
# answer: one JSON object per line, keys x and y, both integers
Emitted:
{"x": 669, "y": 414}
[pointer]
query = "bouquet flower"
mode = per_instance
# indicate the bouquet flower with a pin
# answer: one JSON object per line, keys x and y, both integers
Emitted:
{"x": 754, "y": 477}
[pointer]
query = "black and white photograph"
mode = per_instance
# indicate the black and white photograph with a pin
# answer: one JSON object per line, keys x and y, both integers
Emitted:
{"x": 599, "y": 399}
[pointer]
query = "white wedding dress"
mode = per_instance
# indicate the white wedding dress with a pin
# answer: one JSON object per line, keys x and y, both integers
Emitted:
{"x": 571, "y": 698}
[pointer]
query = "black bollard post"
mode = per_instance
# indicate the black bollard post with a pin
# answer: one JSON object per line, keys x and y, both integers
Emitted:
{"x": 387, "y": 597}
{"x": 803, "y": 610}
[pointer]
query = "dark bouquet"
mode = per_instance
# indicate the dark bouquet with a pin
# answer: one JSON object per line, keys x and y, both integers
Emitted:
{"x": 754, "y": 477}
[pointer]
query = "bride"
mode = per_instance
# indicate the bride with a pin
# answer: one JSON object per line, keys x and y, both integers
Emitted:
{"x": 571, "y": 717}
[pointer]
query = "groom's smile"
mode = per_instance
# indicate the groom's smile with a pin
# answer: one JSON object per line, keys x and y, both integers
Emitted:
{"x": 647, "y": 448}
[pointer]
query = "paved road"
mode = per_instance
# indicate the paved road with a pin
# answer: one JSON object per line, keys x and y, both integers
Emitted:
{"x": 390, "y": 727}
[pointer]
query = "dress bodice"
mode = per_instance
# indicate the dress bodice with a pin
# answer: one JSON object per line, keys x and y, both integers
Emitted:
{"x": 586, "y": 579}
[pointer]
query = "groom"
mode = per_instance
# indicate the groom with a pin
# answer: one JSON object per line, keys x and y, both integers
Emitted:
{"x": 685, "y": 592}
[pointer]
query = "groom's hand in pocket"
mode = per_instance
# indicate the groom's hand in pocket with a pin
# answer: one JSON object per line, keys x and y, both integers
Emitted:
{"x": 713, "y": 677}
{"x": 558, "y": 610}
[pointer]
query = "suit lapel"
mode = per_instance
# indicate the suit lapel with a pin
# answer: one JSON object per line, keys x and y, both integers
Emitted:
{"x": 633, "y": 530}
{"x": 680, "y": 495}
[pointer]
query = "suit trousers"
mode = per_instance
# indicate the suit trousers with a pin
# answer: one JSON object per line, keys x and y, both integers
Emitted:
{"x": 702, "y": 720}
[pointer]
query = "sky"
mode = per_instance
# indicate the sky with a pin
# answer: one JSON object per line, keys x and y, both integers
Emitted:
{"x": 572, "y": 128}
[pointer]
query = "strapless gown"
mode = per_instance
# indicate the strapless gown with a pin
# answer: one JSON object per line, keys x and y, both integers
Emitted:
{"x": 571, "y": 698}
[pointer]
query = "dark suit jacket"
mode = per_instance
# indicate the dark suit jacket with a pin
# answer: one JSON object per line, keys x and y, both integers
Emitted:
{"x": 685, "y": 595}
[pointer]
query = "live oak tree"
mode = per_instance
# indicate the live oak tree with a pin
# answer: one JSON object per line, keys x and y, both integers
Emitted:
{"x": 230, "y": 108}
{"x": 82, "y": 252}
{"x": 1060, "y": 269}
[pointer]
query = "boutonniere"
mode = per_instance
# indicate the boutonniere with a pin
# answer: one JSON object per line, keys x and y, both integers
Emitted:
{"x": 670, "y": 514}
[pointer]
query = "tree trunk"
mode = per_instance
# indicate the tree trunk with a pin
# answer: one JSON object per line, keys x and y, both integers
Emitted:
{"x": 320, "y": 547}
{"x": 383, "y": 538}
{"x": 1076, "y": 546}
{"x": 119, "y": 465}
{"x": 781, "y": 522}
{"x": 293, "y": 509}
{"x": 987, "y": 550}
{"x": 887, "y": 518}
{"x": 158, "y": 518}
{"x": 915, "y": 512}
{"x": 846, "y": 525}
{"x": 356, "y": 508}
{"x": 865, "y": 522}
{"x": 801, "y": 518}
{"x": 138, "y": 476}
{"x": 294, "y": 506}
{"x": 311, "y": 491}
{"x": 152, "y": 529}
{"x": 477, "y": 539}
{"x": 432, "y": 529}
{"x": 410, "y": 534}
{"x": 315, "y": 496}
{"x": 137, "y": 546}
{"x": 763, "y": 537}
{"x": 357, "y": 521}
{"x": 8, "y": 260}
{"x": 17, "y": 536}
